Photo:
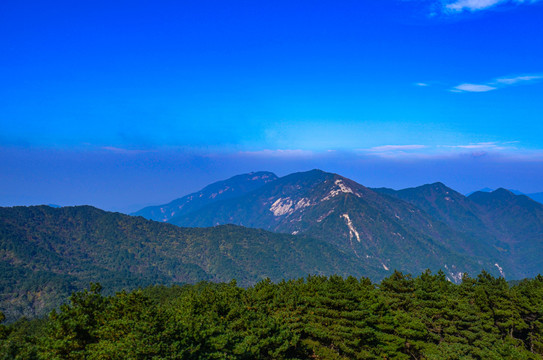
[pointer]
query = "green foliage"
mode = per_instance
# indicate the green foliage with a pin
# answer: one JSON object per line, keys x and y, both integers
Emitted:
{"x": 75, "y": 326}
{"x": 426, "y": 317}
{"x": 46, "y": 254}
{"x": 19, "y": 341}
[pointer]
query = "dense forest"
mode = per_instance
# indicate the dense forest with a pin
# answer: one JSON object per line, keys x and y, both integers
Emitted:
{"x": 318, "y": 317}
{"x": 47, "y": 253}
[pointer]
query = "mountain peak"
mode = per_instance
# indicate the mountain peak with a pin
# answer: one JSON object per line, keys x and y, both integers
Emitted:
{"x": 486, "y": 189}
{"x": 434, "y": 190}
{"x": 498, "y": 194}
{"x": 502, "y": 192}
{"x": 437, "y": 186}
{"x": 254, "y": 175}
{"x": 314, "y": 172}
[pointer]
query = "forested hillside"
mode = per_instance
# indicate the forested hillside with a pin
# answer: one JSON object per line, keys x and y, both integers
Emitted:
{"x": 497, "y": 225}
{"x": 46, "y": 253}
{"x": 431, "y": 226}
{"x": 426, "y": 317}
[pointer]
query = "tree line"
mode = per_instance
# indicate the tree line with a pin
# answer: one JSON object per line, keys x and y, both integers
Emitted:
{"x": 317, "y": 317}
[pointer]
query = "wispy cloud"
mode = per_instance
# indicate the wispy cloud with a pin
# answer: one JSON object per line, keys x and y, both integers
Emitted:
{"x": 457, "y": 6}
{"x": 484, "y": 145}
{"x": 444, "y": 151}
{"x": 396, "y": 147}
{"x": 421, "y": 84}
{"x": 498, "y": 83}
{"x": 519, "y": 79}
{"x": 118, "y": 150}
{"x": 471, "y": 5}
{"x": 473, "y": 88}
{"x": 278, "y": 153}
{"x": 398, "y": 151}
{"x": 473, "y": 146}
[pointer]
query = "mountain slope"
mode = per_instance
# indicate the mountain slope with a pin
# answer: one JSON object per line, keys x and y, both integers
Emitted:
{"x": 456, "y": 211}
{"x": 382, "y": 231}
{"x": 517, "y": 222}
{"x": 496, "y": 224}
{"x": 441, "y": 202}
{"x": 226, "y": 189}
{"x": 47, "y": 253}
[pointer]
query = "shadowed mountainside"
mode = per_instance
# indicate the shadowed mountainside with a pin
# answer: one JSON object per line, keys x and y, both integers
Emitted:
{"x": 220, "y": 190}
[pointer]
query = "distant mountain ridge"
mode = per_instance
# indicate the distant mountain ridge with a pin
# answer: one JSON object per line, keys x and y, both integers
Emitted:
{"x": 534, "y": 196}
{"x": 221, "y": 190}
{"x": 257, "y": 225}
{"x": 441, "y": 226}
{"x": 382, "y": 231}
{"x": 499, "y": 225}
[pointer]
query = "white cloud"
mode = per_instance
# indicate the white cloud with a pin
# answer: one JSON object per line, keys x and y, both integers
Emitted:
{"x": 473, "y": 88}
{"x": 396, "y": 147}
{"x": 471, "y": 5}
{"x": 278, "y": 153}
{"x": 498, "y": 83}
{"x": 477, "y": 149}
{"x": 518, "y": 79}
{"x": 457, "y": 6}
{"x": 474, "y": 146}
{"x": 118, "y": 150}
{"x": 481, "y": 145}
{"x": 421, "y": 84}
{"x": 398, "y": 151}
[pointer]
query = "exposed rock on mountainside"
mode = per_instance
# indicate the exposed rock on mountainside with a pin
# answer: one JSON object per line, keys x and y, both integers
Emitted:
{"x": 320, "y": 223}
{"x": 382, "y": 231}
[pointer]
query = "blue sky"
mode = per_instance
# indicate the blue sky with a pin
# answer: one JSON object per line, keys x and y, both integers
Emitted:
{"x": 118, "y": 104}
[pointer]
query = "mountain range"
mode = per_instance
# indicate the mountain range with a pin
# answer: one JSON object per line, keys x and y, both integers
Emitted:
{"x": 431, "y": 226}
{"x": 382, "y": 231}
{"x": 503, "y": 227}
{"x": 258, "y": 225}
